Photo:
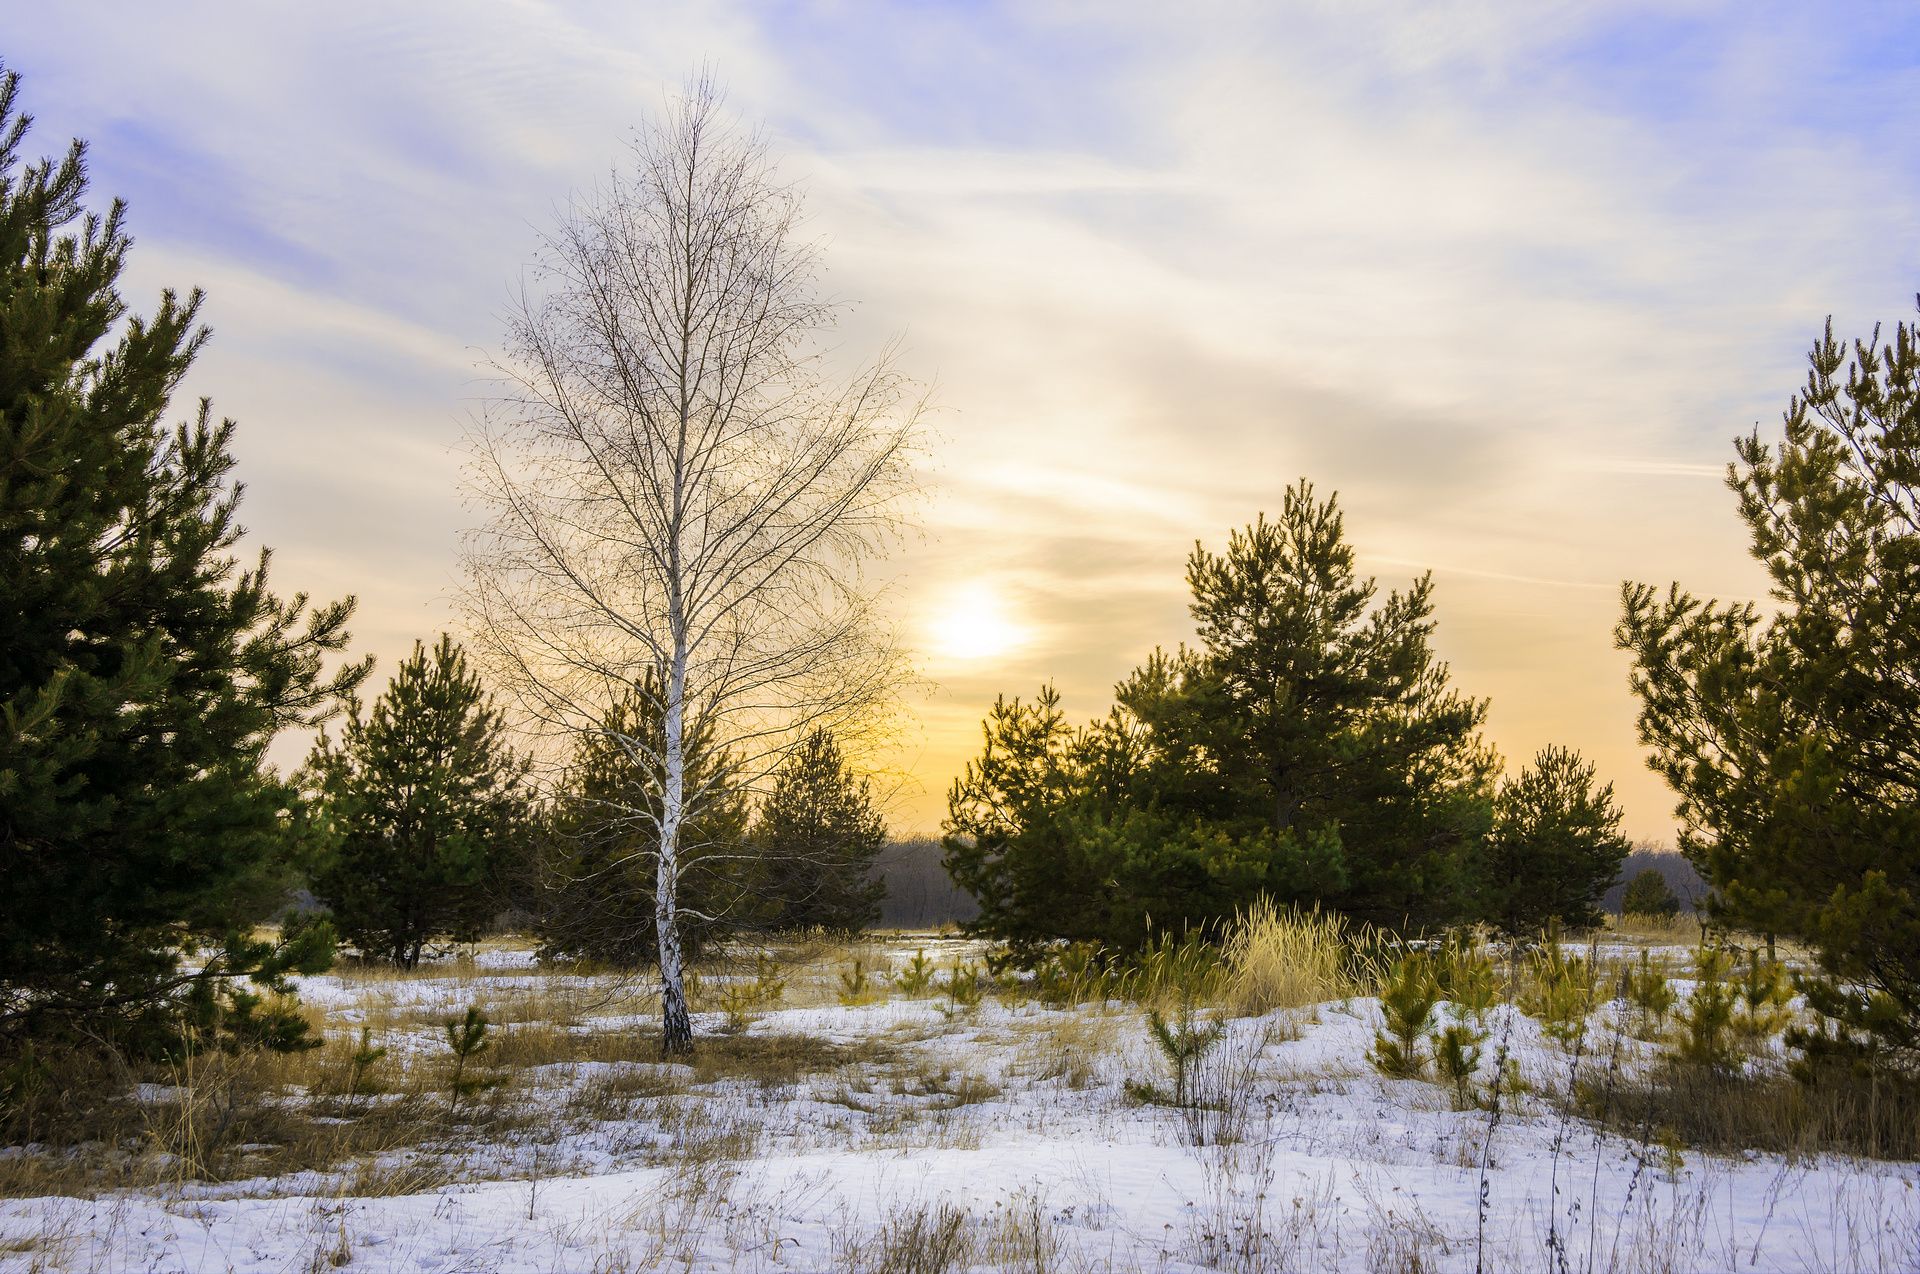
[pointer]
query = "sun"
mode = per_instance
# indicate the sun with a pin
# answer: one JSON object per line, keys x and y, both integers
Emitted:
{"x": 972, "y": 623}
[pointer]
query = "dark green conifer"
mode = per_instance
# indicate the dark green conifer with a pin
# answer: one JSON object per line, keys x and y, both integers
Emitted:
{"x": 815, "y": 843}
{"x": 1555, "y": 848}
{"x": 1013, "y": 837}
{"x": 599, "y": 850}
{"x": 1648, "y": 894}
{"x": 1792, "y": 733}
{"x": 1308, "y": 748}
{"x": 421, "y": 808}
{"x": 142, "y": 671}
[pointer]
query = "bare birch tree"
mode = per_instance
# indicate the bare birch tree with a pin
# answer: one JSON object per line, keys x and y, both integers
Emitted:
{"x": 680, "y": 498}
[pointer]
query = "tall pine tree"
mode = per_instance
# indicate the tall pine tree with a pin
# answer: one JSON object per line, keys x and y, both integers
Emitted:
{"x": 1555, "y": 848}
{"x": 1793, "y": 736}
{"x": 1314, "y": 722}
{"x": 422, "y": 810}
{"x": 1308, "y": 748}
{"x": 142, "y": 670}
{"x": 1017, "y": 831}
{"x": 815, "y": 842}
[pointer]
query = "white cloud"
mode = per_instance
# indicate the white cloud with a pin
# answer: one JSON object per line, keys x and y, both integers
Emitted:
{"x": 1509, "y": 279}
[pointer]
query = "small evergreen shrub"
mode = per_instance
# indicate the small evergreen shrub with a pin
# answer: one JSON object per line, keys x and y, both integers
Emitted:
{"x": 1182, "y": 1042}
{"x": 1074, "y": 974}
{"x": 916, "y": 980}
{"x": 856, "y": 987}
{"x": 361, "y": 1063}
{"x": 1456, "y": 1055}
{"x": 1766, "y": 1000}
{"x": 740, "y": 999}
{"x": 1705, "y": 1023}
{"x": 467, "y": 1038}
{"x": 1648, "y": 894}
{"x": 1407, "y": 1000}
{"x": 1467, "y": 976}
{"x": 966, "y": 983}
{"x": 1646, "y": 987}
{"x": 1560, "y": 990}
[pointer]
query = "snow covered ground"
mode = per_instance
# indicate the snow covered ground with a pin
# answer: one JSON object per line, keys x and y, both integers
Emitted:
{"x": 920, "y": 1135}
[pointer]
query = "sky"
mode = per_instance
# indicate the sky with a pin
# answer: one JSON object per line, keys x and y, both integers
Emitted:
{"x": 1508, "y": 277}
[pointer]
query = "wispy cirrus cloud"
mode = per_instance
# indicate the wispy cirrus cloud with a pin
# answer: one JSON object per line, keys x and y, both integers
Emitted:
{"x": 1508, "y": 278}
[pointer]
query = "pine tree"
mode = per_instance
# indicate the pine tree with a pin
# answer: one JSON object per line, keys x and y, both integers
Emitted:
{"x": 599, "y": 855}
{"x": 1336, "y": 739}
{"x": 1012, "y": 838}
{"x": 1648, "y": 894}
{"x": 1309, "y": 748}
{"x": 142, "y": 671}
{"x": 1555, "y": 848}
{"x": 422, "y": 809}
{"x": 815, "y": 842}
{"x": 1793, "y": 737}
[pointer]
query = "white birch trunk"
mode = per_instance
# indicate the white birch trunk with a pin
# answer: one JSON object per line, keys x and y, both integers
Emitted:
{"x": 676, "y": 1029}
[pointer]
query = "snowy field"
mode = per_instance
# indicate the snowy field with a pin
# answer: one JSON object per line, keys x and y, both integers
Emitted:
{"x": 924, "y": 1134}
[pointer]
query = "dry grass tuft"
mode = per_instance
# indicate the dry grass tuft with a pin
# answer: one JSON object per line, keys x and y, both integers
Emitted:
{"x": 947, "y": 1088}
{"x": 217, "y": 1117}
{"x": 611, "y": 1095}
{"x": 775, "y": 1062}
{"x": 1286, "y": 959}
{"x": 1840, "y": 1114}
{"x": 520, "y": 1046}
{"x": 1680, "y": 929}
{"x": 1068, "y": 1047}
{"x": 928, "y": 1239}
{"x": 940, "y": 1238}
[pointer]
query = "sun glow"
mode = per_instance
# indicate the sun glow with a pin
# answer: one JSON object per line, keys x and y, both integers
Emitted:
{"x": 972, "y": 623}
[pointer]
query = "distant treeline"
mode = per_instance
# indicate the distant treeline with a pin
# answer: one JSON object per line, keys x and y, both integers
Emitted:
{"x": 1673, "y": 868}
{"x": 920, "y": 894}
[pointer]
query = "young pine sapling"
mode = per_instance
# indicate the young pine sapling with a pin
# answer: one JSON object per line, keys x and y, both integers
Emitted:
{"x": 1766, "y": 999}
{"x": 1646, "y": 988}
{"x": 1561, "y": 993}
{"x": 467, "y": 1037}
{"x": 1456, "y": 1055}
{"x": 965, "y": 985}
{"x": 916, "y": 980}
{"x": 1407, "y": 1000}
{"x": 856, "y": 987}
{"x": 1705, "y": 1035}
{"x": 363, "y": 1059}
{"x": 1183, "y": 1042}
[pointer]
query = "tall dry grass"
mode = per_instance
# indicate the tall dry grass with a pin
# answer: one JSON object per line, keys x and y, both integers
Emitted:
{"x": 1285, "y": 958}
{"x": 1840, "y": 1114}
{"x": 1680, "y": 929}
